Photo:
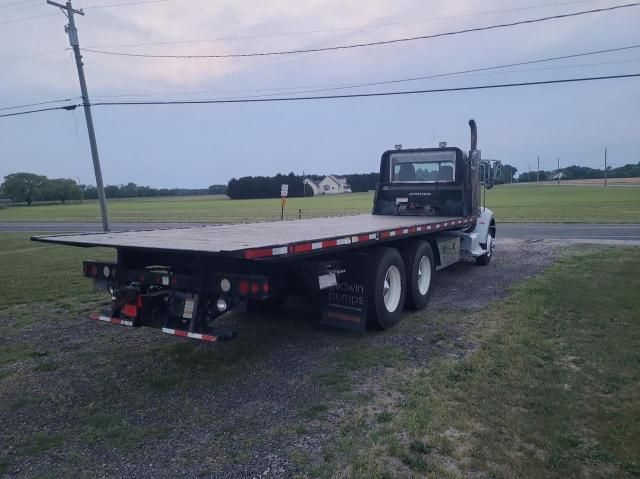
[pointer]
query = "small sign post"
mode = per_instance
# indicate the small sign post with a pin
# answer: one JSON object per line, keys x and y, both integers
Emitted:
{"x": 284, "y": 192}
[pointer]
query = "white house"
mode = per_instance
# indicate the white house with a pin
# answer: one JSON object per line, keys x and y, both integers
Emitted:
{"x": 329, "y": 185}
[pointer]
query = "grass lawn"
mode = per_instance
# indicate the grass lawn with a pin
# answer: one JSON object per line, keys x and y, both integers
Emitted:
{"x": 46, "y": 272}
{"x": 518, "y": 203}
{"x": 213, "y": 209}
{"x": 551, "y": 391}
{"x": 548, "y": 384}
{"x": 565, "y": 204}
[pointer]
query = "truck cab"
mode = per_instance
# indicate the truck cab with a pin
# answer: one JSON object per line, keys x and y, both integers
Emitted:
{"x": 424, "y": 182}
{"x": 442, "y": 181}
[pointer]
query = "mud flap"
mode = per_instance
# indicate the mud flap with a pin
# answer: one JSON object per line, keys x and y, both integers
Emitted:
{"x": 345, "y": 305}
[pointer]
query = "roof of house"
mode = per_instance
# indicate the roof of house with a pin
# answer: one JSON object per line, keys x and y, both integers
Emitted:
{"x": 340, "y": 180}
{"x": 311, "y": 180}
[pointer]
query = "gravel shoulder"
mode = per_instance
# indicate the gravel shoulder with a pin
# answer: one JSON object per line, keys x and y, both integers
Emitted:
{"x": 85, "y": 399}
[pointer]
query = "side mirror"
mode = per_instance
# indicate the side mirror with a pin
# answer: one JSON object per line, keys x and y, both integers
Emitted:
{"x": 491, "y": 171}
{"x": 497, "y": 172}
{"x": 486, "y": 178}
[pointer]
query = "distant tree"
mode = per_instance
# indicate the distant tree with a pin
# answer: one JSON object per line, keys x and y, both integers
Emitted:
{"x": 90, "y": 193}
{"x": 363, "y": 181}
{"x": 217, "y": 190}
{"x": 62, "y": 189}
{"x": 112, "y": 191}
{"x": 130, "y": 190}
{"x": 23, "y": 186}
{"x": 264, "y": 186}
{"x": 508, "y": 174}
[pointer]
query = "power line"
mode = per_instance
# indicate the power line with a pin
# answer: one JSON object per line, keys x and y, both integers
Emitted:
{"x": 27, "y": 112}
{"x": 436, "y": 76}
{"x": 12, "y": 4}
{"x": 371, "y": 44}
{"x": 27, "y": 19}
{"x": 32, "y": 55}
{"x": 319, "y": 88}
{"x": 332, "y": 97}
{"x": 375, "y": 94}
{"x": 339, "y": 29}
{"x": 37, "y": 104}
{"x": 125, "y": 4}
{"x": 19, "y": 20}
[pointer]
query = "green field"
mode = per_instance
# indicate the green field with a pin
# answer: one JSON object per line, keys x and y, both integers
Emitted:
{"x": 43, "y": 271}
{"x": 518, "y": 203}
{"x": 565, "y": 204}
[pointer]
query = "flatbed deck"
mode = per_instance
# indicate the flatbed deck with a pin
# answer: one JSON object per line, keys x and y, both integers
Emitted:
{"x": 268, "y": 239}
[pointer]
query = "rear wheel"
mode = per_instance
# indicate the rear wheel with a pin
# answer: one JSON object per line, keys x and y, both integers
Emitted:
{"x": 387, "y": 296}
{"x": 420, "y": 268}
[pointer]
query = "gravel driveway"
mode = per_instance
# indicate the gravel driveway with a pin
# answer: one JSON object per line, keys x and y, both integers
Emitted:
{"x": 98, "y": 400}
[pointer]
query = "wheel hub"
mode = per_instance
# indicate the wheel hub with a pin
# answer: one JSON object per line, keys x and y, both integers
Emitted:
{"x": 391, "y": 288}
{"x": 424, "y": 275}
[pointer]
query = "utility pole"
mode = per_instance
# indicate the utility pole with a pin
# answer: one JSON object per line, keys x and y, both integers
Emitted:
{"x": 605, "y": 167}
{"x": 558, "y": 171}
{"x": 72, "y": 31}
{"x": 538, "y": 172}
{"x": 529, "y": 174}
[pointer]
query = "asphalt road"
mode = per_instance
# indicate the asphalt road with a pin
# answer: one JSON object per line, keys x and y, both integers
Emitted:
{"x": 627, "y": 232}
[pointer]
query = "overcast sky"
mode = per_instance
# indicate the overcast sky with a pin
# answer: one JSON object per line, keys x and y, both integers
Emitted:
{"x": 195, "y": 146}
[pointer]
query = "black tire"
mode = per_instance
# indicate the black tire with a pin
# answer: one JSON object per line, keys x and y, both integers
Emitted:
{"x": 485, "y": 259}
{"x": 383, "y": 262}
{"x": 413, "y": 255}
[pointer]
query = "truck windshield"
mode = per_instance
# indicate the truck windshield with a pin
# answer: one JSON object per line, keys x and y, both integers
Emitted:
{"x": 423, "y": 167}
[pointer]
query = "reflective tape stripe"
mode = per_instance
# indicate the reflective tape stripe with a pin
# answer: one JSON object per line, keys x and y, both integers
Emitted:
{"x": 186, "y": 334}
{"x": 108, "y": 319}
{"x": 258, "y": 253}
{"x": 331, "y": 243}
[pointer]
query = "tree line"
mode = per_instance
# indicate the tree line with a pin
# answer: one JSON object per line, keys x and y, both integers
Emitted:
{"x": 251, "y": 187}
{"x": 575, "y": 172}
{"x": 30, "y": 187}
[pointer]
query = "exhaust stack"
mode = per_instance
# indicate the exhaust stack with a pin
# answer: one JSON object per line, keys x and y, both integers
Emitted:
{"x": 473, "y": 175}
{"x": 474, "y": 134}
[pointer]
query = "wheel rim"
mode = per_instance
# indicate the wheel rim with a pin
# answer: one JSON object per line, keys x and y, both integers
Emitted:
{"x": 391, "y": 288}
{"x": 491, "y": 242}
{"x": 424, "y": 275}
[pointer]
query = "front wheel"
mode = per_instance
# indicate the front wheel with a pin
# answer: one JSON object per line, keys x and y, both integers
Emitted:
{"x": 387, "y": 296}
{"x": 491, "y": 246}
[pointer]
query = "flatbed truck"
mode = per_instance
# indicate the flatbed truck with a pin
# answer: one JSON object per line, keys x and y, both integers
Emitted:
{"x": 361, "y": 270}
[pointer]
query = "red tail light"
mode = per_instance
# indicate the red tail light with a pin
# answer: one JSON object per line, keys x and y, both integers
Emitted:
{"x": 130, "y": 310}
{"x": 243, "y": 287}
{"x": 255, "y": 287}
{"x": 265, "y": 287}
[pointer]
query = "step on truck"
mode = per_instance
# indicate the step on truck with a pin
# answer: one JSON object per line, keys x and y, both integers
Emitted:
{"x": 361, "y": 270}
